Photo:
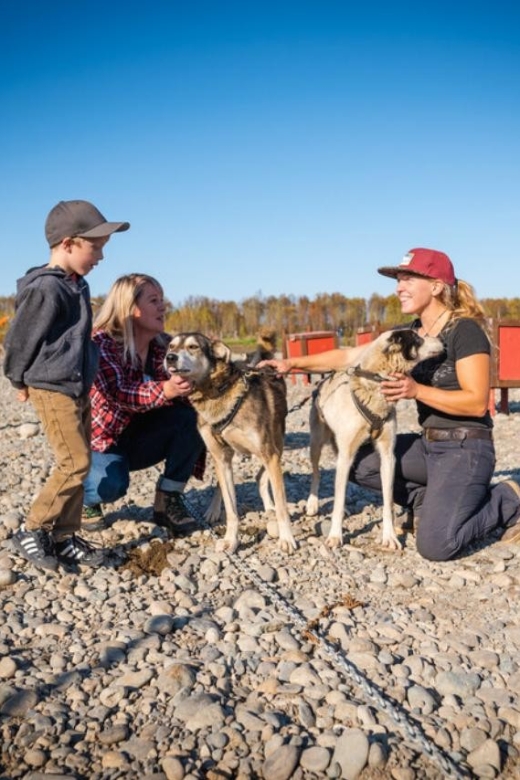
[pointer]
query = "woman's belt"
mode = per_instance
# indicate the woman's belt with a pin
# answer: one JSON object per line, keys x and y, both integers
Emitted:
{"x": 457, "y": 434}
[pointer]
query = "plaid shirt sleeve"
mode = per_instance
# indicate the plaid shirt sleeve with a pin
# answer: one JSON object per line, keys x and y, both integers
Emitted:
{"x": 125, "y": 385}
{"x": 120, "y": 391}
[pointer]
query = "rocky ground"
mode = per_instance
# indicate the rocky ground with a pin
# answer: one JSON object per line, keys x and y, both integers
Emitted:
{"x": 176, "y": 661}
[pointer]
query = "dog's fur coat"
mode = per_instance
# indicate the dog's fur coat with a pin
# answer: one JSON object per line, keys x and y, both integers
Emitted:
{"x": 237, "y": 411}
{"x": 348, "y": 409}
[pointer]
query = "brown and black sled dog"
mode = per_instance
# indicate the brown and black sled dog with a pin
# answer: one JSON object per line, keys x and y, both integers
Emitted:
{"x": 238, "y": 410}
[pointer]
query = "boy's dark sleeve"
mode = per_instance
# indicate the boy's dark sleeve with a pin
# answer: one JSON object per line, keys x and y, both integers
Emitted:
{"x": 32, "y": 321}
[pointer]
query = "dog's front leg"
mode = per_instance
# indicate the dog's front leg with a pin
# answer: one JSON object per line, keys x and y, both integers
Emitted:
{"x": 222, "y": 456}
{"x": 335, "y": 537}
{"x": 286, "y": 540}
{"x": 385, "y": 447}
{"x": 224, "y": 470}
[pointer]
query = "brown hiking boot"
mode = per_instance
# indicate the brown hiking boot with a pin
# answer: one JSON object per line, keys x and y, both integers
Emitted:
{"x": 169, "y": 511}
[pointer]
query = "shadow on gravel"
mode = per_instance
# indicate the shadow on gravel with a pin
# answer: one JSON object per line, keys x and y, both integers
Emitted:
{"x": 297, "y": 441}
{"x": 514, "y": 407}
{"x": 508, "y": 474}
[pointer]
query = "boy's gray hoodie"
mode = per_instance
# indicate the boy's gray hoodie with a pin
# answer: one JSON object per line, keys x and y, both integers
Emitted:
{"x": 49, "y": 344}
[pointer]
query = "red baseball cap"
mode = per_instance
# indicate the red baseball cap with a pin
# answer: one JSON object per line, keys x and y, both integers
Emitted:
{"x": 423, "y": 262}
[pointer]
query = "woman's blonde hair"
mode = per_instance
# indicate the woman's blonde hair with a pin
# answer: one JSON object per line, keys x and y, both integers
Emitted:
{"x": 461, "y": 300}
{"x": 115, "y": 316}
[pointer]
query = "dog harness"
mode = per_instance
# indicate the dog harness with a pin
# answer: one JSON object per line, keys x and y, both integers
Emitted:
{"x": 375, "y": 421}
{"x": 219, "y": 426}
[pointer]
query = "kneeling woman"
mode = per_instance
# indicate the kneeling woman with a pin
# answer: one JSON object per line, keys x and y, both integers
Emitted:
{"x": 443, "y": 474}
{"x": 140, "y": 413}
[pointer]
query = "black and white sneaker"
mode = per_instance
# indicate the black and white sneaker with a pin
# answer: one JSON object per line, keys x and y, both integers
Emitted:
{"x": 76, "y": 551}
{"x": 36, "y": 547}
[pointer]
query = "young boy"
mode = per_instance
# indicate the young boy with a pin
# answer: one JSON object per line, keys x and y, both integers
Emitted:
{"x": 51, "y": 359}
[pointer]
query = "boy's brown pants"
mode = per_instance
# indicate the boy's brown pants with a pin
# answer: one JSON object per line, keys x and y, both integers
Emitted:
{"x": 66, "y": 423}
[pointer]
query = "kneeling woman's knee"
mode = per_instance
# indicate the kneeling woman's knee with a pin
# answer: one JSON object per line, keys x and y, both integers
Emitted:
{"x": 432, "y": 544}
{"x": 113, "y": 485}
{"x": 108, "y": 479}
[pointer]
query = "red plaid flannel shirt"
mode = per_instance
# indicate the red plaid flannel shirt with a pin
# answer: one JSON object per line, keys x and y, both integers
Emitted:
{"x": 120, "y": 391}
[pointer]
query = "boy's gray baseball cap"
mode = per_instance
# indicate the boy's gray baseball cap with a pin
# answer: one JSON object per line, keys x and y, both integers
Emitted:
{"x": 78, "y": 218}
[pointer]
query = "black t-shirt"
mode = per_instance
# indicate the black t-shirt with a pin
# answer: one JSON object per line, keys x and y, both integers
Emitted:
{"x": 462, "y": 338}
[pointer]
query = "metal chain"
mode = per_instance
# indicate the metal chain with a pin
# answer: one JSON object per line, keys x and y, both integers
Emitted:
{"x": 300, "y": 404}
{"x": 398, "y": 714}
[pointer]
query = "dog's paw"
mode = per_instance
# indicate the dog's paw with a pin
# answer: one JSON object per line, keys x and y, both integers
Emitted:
{"x": 333, "y": 542}
{"x": 312, "y": 506}
{"x": 391, "y": 542}
{"x": 227, "y": 545}
{"x": 287, "y": 544}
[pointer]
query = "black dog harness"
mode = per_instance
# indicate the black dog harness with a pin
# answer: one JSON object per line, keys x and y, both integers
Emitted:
{"x": 219, "y": 426}
{"x": 375, "y": 421}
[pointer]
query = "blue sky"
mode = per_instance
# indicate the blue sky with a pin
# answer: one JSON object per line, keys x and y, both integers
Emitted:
{"x": 260, "y": 147}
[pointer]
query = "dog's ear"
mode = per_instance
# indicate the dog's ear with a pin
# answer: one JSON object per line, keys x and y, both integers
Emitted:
{"x": 393, "y": 343}
{"x": 221, "y": 351}
{"x": 406, "y": 341}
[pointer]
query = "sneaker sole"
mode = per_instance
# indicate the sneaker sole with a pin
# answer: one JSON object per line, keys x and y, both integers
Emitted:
{"x": 83, "y": 562}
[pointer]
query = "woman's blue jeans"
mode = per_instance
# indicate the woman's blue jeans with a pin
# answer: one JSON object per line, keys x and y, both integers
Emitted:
{"x": 166, "y": 434}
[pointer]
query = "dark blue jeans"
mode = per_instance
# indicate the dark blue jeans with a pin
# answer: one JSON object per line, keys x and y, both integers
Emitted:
{"x": 167, "y": 434}
{"x": 448, "y": 485}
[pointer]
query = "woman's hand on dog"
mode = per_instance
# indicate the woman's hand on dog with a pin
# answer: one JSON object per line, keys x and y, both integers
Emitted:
{"x": 176, "y": 387}
{"x": 399, "y": 387}
{"x": 280, "y": 366}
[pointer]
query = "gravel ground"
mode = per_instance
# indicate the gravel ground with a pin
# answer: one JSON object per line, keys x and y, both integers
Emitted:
{"x": 176, "y": 661}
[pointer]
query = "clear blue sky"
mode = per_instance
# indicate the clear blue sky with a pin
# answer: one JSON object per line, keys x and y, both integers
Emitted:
{"x": 265, "y": 147}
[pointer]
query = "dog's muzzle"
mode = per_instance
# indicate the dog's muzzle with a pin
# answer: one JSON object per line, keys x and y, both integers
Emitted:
{"x": 171, "y": 361}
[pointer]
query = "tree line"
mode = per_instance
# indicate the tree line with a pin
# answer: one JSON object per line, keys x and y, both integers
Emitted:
{"x": 285, "y": 314}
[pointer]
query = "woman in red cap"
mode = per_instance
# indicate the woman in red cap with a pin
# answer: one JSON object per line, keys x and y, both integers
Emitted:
{"x": 443, "y": 475}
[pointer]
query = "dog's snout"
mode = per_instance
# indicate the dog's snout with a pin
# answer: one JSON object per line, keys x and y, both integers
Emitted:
{"x": 171, "y": 358}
